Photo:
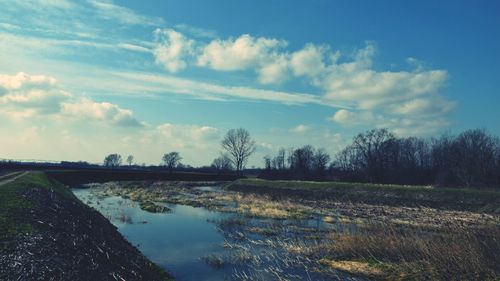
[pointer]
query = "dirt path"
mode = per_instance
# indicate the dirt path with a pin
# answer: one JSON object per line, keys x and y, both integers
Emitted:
{"x": 5, "y": 179}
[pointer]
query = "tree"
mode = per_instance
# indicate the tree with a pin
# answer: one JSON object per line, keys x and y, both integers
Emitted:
{"x": 239, "y": 146}
{"x": 474, "y": 152}
{"x": 222, "y": 163}
{"x": 130, "y": 160}
{"x": 320, "y": 162}
{"x": 171, "y": 160}
{"x": 279, "y": 160}
{"x": 302, "y": 160}
{"x": 113, "y": 160}
{"x": 372, "y": 148}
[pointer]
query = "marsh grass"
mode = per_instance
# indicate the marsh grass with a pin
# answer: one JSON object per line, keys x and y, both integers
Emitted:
{"x": 392, "y": 253}
{"x": 265, "y": 207}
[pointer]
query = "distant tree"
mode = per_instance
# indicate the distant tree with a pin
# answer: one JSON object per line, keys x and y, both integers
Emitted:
{"x": 372, "y": 148}
{"x": 130, "y": 160}
{"x": 320, "y": 162}
{"x": 302, "y": 160}
{"x": 268, "y": 162}
{"x": 113, "y": 160}
{"x": 222, "y": 163}
{"x": 475, "y": 153}
{"x": 171, "y": 160}
{"x": 239, "y": 146}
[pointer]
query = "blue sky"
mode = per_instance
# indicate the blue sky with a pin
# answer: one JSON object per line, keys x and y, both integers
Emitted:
{"x": 81, "y": 79}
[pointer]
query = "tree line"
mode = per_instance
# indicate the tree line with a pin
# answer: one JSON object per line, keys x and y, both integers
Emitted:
{"x": 471, "y": 158}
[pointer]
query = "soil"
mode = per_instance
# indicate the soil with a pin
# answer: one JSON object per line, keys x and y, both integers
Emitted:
{"x": 71, "y": 241}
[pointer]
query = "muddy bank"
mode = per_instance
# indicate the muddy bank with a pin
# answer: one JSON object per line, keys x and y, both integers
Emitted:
{"x": 67, "y": 240}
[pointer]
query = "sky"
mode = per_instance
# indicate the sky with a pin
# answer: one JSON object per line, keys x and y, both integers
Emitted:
{"x": 83, "y": 79}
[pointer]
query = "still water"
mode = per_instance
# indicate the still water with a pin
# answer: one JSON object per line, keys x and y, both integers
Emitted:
{"x": 175, "y": 241}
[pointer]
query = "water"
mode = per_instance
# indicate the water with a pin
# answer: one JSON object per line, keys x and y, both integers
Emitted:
{"x": 175, "y": 241}
{"x": 178, "y": 240}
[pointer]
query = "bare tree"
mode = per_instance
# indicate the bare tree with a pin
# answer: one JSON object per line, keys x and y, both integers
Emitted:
{"x": 372, "y": 147}
{"x": 113, "y": 160}
{"x": 239, "y": 146}
{"x": 279, "y": 160}
{"x": 171, "y": 160}
{"x": 320, "y": 162}
{"x": 130, "y": 160}
{"x": 222, "y": 163}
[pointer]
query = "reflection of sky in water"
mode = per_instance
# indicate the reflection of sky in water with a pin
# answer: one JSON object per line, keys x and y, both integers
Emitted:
{"x": 174, "y": 241}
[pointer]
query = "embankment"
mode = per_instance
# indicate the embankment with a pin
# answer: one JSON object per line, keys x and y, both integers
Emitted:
{"x": 46, "y": 233}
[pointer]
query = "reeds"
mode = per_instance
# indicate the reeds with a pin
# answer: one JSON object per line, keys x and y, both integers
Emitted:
{"x": 451, "y": 254}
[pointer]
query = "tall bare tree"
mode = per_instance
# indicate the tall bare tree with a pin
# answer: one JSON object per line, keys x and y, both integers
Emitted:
{"x": 239, "y": 146}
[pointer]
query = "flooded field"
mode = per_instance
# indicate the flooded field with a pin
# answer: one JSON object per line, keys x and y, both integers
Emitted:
{"x": 207, "y": 231}
{"x": 194, "y": 243}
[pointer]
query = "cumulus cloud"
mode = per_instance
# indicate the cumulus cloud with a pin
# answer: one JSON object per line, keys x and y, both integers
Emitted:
{"x": 238, "y": 54}
{"x": 308, "y": 61}
{"x": 274, "y": 72}
{"x": 346, "y": 80}
{"x": 392, "y": 99}
{"x": 87, "y": 109}
{"x": 23, "y": 95}
{"x": 172, "y": 49}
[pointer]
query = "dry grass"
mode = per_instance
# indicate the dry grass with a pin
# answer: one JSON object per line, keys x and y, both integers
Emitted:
{"x": 264, "y": 207}
{"x": 407, "y": 253}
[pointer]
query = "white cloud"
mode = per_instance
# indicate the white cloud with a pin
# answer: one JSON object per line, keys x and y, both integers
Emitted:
{"x": 88, "y": 110}
{"x": 423, "y": 107}
{"x": 275, "y": 72}
{"x": 308, "y": 61}
{"x": 134, "y": 47}
{"x": 238, "y": 54}
{"x": 163, "y": 84}
{"x": 300, "y": 129}
{"x": 172, "y": 49}
{"x": 109, "y": 11}
{"x": 402, "y": 125}
{"x": 23, "y": 96}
